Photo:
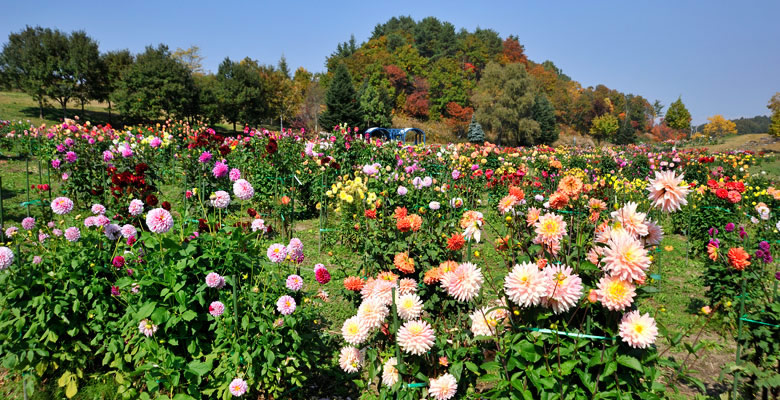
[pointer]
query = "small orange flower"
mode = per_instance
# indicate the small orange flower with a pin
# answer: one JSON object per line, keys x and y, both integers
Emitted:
{"x": 404, "y": 263}
{"x": 712, "y": 251}
{"x": 400, "y": 212}
{"x": 456, "y": 242}
{"x": 415, "y": 222}
{"x": 517, "y": 192}
{"x": 285, "y": 200}
{"x": 403, "y": 224}
{"x": 388, "y": 276}
{"x": 353, "y": 283}
{"x": 570, "y": 186}
{"x": 432, "y": 276}
{"x": 738, "y": 258}
{"x": 559, "y": 200}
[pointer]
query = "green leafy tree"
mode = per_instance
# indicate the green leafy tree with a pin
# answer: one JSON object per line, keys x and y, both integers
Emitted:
{"x": 626, "y": 134}
{"x": 116, "y": 64}
{"x": 241, "y": 93}
{"x": 157, "y": 85}
{"x": 504, "y": 101}
{"x": 191, "y": 58}
{"x": 544, "y": 113}
{"x": 678, "y": 117}
{"x": 341, "y": 101}
{"x": 604, "y": 126}
{"x": 476, "y": 134}
{"x": 28, "y": 62}
{"x": 86, "y": 67}
{"x": 774, "y": 105}
{"x": 208, "y": 98}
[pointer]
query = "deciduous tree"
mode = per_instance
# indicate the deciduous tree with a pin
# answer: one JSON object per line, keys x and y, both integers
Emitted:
{"x": 719, "y": 126}
{"x": 774, "y": 105}
{"x": 604, "y": 126}
{"x": 504, "y": 102}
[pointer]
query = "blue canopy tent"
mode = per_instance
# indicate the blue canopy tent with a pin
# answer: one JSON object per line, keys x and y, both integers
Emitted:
{"x": 397, "y": 134}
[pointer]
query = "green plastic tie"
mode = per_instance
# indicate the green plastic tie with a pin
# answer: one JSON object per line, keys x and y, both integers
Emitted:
{"x": 327, "y": 230}
{"x": 759, "y": 322}
{"x": 415, "y": 385}
{"x": 570, "y": 334}
{"x": 31, "y": 203}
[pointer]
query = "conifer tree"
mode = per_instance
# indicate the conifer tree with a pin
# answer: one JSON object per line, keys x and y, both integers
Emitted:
{"x": 342, "y": 101}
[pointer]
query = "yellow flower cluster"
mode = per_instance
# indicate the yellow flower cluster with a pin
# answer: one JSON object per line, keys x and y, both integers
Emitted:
{"x": 350, "y": 190}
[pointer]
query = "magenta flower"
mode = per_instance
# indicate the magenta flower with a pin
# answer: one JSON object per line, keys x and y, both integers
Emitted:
{"x": 115, "y": 291}
{"x": 72, "y": 234}
{"x": 214, "y": 280}
{"x": 28, "y": 223}
{"x": 55, "y": 163}
{"x": 71, "y": 157}
{"x": 98, "y": 209}
{"x": 118, "y": 262}
{"x": 322, "y": 275}
{"x": 216, "y": 308}
{"x": 204, "y": 157}
{"x": 220, "y": 169}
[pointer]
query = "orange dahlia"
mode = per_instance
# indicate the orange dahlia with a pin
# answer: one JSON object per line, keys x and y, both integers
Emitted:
{"x": 415, "y": 222}
{"x": 456, "y": 242}
{"x": 403, "y": 224}
{"x": 570, "y": 186}
{"x": 404, "y": 263}
{"x": 738, "y": 258}
{"x": 559, "y": 200}
{"x": 400, "y": 212}
{"x": 353, "y": 283}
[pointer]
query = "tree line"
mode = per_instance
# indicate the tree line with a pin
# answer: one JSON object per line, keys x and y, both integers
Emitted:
{"x": 68, "y": 68}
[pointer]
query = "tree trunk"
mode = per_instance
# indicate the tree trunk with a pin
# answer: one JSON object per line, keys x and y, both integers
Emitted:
{"x": 109, "y": 111}
{"x": 234, "y": 126}
{"x": 40, "y": 108}
{"x": 64, "y": 110}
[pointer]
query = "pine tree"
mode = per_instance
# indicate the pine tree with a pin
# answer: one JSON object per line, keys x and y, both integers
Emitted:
{"x": 476, "y": 134}
{"x": 544, "y": 113}
{"x": 342, "y": 101}
{"x": 678, "y": 117}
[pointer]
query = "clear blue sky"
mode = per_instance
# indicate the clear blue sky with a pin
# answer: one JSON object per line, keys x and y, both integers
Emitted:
{"x": 722, "y": 57}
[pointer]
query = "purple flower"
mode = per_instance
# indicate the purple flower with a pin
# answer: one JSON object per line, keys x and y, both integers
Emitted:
{"x": 760, "y": 253}
{"x": 220, "y": 169}
{"x": 402, "y": 191}
{"x": 71, "y": 157}
{"x": 55, "y": 163}
{"x": 455, "y": 174}
{"x": 742, "y": 233}
{"x": 764, "y": 245}
{"x": 713, "y": 231}
{"x": 60, "y": 148}
{"x": 108, "y": 156}
{"x": 68, "y": 142}
{"x": 204, "y": 157}
{"x": 115, "y": 290}
{"x": 72, "y": 234}
{"x": 729, "y": 227}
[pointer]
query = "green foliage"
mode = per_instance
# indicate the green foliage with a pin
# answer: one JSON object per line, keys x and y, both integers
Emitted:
{"x": 504, "y": 104}
{"x": 476, "y": 134}
{"x": 604, "y": 126}
{"x": 544, "y": 113}
{"x": 774, "y": 106}
{"x": 376, "y": 106}
{"x": 678, "y": 117}
{"x": 241, "y": 94}
{"x": 626, "y": 134}
{"x": 342, "y": 102}
{"x": 156, "y": 85}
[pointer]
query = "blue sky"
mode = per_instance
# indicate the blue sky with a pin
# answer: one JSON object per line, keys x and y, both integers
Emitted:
{"x": 722, "y": 57}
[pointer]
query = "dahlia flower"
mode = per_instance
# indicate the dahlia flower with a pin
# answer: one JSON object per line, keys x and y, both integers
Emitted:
{"x": 277, "y": 252}
{"x": 464, "y": 282}
{"x": 616, "y": 294}
{"x": 6, "y": 257}
{"x": 526, "y": 285}
{"x": 159, "y": 220}
{"x": 415, "y": 337}
{"x": 390, "y": 372}
{"x": 220, "y": 199}
{"x": 409, "y": 306}
{"x": 443, "y": 387}
{"x": 372, "y": 312}
{"x": 565, "y": 289}
{"x": 294, "y": 282}
{"x": 285, "y": 305}
{"x": 147, "y": 328}
{"x": 625, "y": 257}
{"x": 630, "y": 220}
{"x": 136, "y": 207}
{"x": 216, "y": 308}
{"x": 355, "y": 331}
{"x": 214, "y": 280}
{"x": 238, "y": 387}
{"x": 667, "y": 191}
{"x": 351, "y": 359}
{"x": 243, "y": 189}
{"x": 638, "y": 330}
{"x": 72, "y": 234}
{"x": 62, "y": 205}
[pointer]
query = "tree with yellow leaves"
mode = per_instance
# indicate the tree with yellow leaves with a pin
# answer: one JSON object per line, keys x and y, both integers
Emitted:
{"x": 719, "y": 126}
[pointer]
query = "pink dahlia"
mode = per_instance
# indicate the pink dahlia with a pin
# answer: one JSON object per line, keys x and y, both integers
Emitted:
{"x": 216, "y": 308}
{"x": 638, "y": 330}
{"x": 372, "y": 312}
{"x": 238, "y": 387}
{"x": 415, "y": 337}
{"x": 62, "y": 205}
{"x": 285, "y": 305}
{"x": 655, "y": 234}
{"x": 464, "y": 282}
{"x": 443, "y": 387}
{"x": 630, "y": 220}
{"x": 565, "y": 290}
{"x": 234, "y": 175}
{"x": 351, "y": 359}
{"x": 380, "y": 289}
{"x": 259, "y": 225}
{"x": 526, "y": 285}
{"x": 667, "y": 191}
{"x": 294, "y": 282}
{"x": 136, "y": 207}
{"x": 147, "y": 328}
{"x": 409, "y": 306}
{"x": 72, "y": 234}
{"x": 507, "y": 204}
{"x": 390, "y": 374}
{"x": 615, "y": 293}
{"x": 214, "y": 280}
{"x": 220, "y": 169}
{"x": 159, "y": 220}
{"x": 28, "y": 223}
{"x": 243, "y": 189}
{"x": 220, "y": 199}
{"x": 550, "y": 229}
{"x": 128, "y": 231}
{"x": 277, "y": 252}
{"x": 98, "y": 209}
{"x": 6, "y": 257}
{"x": 355, "y": 331}
{"x": 625, "y": 257}
{"x": 407, "y": 286}
{"x": 484, "y": 321}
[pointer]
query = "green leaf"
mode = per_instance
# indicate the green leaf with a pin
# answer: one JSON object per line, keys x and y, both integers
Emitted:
{"x": 630, "y": 362}
{"x": 199, "y": 368}
{"x": 145, "y": 311}
{"x": 189, "y": 315}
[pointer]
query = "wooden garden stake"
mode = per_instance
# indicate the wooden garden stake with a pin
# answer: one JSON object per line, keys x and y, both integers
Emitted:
{"x": 739, "y": 336}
